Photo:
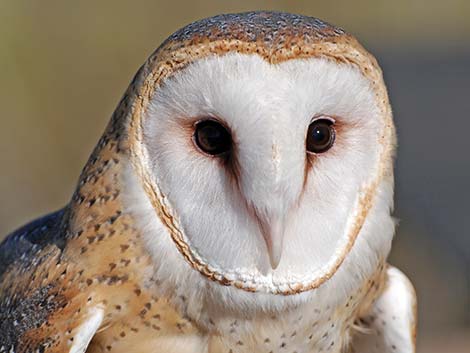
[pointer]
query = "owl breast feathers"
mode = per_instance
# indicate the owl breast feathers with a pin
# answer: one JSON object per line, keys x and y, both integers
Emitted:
{"x": 239, "y": 200}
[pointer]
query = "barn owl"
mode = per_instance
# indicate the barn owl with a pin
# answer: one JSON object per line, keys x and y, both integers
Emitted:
{"x": 238, "y": 201}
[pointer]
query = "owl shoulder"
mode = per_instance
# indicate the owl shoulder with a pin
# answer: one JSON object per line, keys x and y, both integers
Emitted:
{"x": 31, "y": 275}
{"x": 389, "y": 325}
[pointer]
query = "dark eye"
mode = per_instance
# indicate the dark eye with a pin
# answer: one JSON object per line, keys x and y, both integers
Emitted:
{"x": 320, "y": 136}
{"x": 212, "y": 137}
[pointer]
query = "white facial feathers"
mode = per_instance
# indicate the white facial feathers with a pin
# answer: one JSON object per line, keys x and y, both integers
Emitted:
{"x": 274, "y": 193}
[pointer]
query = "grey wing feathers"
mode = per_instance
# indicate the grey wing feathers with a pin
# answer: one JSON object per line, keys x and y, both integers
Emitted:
{"x": 31, "y": 238}
{"x": 24, "y": 307}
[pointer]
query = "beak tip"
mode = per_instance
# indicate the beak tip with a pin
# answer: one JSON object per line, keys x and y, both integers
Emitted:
{"x": 274, "y": 259}
{"x": 274, "y": 265}
{"x": 273, "y": 235}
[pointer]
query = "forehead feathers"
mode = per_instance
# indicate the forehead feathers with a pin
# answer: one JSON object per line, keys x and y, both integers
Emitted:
{"x": 270, "y": 31}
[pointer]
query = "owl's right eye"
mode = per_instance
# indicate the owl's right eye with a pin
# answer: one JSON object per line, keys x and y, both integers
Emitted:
{"x": 212, "y": 137}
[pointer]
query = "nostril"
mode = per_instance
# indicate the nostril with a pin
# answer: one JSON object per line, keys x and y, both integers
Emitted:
{"x": 276, "y": 158}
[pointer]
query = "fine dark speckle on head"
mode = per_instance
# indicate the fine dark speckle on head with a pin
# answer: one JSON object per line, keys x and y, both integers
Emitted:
{"x": 268, "y": 27}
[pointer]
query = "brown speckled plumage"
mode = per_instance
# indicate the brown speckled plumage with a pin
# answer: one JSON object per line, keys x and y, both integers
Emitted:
{"x": 90, "y": 253}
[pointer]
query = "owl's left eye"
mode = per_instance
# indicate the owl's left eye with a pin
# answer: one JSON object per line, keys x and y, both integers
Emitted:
{"x": 212, "y": 137}
{"x": 320, "y": 135}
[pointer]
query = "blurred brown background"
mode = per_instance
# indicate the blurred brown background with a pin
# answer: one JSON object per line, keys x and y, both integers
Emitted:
{"x": 65, "y": 64}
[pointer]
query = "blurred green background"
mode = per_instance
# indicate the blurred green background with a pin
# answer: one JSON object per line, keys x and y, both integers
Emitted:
{"x": 65, "y": 64}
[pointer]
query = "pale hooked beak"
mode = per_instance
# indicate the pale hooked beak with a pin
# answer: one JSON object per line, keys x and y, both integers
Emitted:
{"x": 273, "y": 233}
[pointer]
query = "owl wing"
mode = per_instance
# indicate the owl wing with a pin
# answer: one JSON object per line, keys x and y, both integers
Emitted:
{"x": 27, "y": 303}
{"x": 390, "y": 324}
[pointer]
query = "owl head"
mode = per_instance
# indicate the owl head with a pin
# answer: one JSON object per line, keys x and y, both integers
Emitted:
{"x": 260, "y": 150}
